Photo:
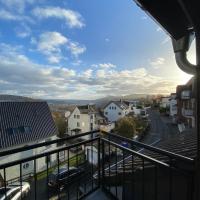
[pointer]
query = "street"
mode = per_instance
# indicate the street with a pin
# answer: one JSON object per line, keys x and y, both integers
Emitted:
{"x": 161, "y": 128}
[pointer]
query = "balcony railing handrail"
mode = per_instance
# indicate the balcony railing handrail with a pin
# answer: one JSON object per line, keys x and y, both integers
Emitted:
{"x": 151, "y": 148}
{"x": 143, "y": 156}
{"x": 136, "y": 143}
{"x": 34, "y": 146}
{"x": 40, "y": 155}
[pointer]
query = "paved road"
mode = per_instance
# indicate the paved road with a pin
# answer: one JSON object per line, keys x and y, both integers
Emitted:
{"x": 161, "y": 128}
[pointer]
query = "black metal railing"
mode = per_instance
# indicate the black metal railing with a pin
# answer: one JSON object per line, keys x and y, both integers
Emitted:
{"x": 66, "y": 177}
{"x": 128, "y": 174}
{"x": 99, "y": 160}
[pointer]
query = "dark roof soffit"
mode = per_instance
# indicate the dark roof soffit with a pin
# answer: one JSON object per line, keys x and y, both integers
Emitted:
{"x": 175, "y": 16}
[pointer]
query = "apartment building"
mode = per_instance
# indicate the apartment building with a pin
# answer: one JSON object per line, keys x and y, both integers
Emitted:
{"x": 81, "y": 119}
{"x": 186, "y": 104}
{"x": 23, "y": 122}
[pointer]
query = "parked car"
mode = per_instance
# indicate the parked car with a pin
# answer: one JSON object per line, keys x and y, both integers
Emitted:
{"x": 15, "y": 191}
{"x": 64, "y": 177}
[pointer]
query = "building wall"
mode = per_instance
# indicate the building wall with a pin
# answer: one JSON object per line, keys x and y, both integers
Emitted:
{"x": 165, "y": 102}
{"x": 86, "y": 122}
{"x": 112, "y": 112}
{"x": 173, "y": 107}
{"x": 74, "y": 122}
{"x": 28, "y": 167}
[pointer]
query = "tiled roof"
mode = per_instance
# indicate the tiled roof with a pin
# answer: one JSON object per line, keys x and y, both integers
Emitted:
{"x": 24, "y": 122}
{"x": 85, "y": 109}
{"x": 183, "y": 144}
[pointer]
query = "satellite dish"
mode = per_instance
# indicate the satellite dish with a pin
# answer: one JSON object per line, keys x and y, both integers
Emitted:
{"x": 67, "y": 114}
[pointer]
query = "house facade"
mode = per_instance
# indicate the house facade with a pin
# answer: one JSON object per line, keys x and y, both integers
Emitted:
{"x": 115, "y": 110}
{"x": 186, "y": 104}
{"x": 165, "y": 102}
{"x": 81, "y": 119}
{"x": 24, "y": 122}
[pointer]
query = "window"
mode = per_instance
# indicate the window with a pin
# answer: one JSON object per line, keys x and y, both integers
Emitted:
{"x": 74, "y": 116}
{"x": 15, "y": 130}
{"x": 91, "y": 117}
{"x": 78, "y": 116}
{"x": 119, "y": 113}
{"x": 110, "y": 107}
{"x": 78, "y": 124}
{"x": 12, "y": 131}
{"x": 27, "y": 129}
{"x": 106, "y": 113}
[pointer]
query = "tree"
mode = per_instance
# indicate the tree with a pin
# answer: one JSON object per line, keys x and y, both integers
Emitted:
{"x": 60, "y": 123}
{"x": 126, "y": 127}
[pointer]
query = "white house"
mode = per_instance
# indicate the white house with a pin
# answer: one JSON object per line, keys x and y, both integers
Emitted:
{"x": 81, "y": 119}
{"x": 165, "y": 102}
{"x": 24, "y": 122}
{"x": 115, "y": 110}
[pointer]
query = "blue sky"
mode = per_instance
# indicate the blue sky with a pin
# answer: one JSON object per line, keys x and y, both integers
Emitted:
{"x": 83, "y": 50}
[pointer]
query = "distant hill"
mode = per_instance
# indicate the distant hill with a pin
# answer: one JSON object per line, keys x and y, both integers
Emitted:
{"x": 69, "y": 101}
{"x": 99, "y": 102}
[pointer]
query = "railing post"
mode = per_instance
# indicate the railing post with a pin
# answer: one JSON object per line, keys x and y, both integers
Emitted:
{"x": 99, "y": 161}
{"x": 103, "y": 163}
{"x": 197, "y": 121}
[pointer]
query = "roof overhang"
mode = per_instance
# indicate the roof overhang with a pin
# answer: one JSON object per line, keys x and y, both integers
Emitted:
{"x": 177, "y": 17}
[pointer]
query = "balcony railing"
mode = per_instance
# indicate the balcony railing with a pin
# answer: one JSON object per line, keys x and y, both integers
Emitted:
{"x": 187, "y": 112}
{"x": 102, "y": 162}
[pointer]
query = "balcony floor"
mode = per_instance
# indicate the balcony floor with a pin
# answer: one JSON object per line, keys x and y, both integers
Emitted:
{"x": 98, "y": 195}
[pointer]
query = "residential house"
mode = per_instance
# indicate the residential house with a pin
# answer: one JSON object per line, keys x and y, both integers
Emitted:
{"x": 81, "y": 119}
{"x": 115, "y": 110}
{"x": 173, "y": 107}
{"x": 165, "y": 102}
{"x": 186, "y": 104}
{"x": 24, "y": 122}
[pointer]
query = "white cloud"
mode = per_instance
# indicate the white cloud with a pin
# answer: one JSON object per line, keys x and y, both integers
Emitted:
{"x": 159, "y": 29}
{"x": 166, "y": 40}
{"x": 20, "y": 75}
{"x": 72, "y": 18}
{"x": 157, "y": 62}
{"x": 17, "y": 5}
{"x": 107, "y": 65}
{"x": 6, "y": 15}
{"x": 76, "y": 49}
{"x": 23, "y": 31}
{"x": 88, "y": 73}
{"x": 144, "y": 17}
{"x": 52, "y": 45}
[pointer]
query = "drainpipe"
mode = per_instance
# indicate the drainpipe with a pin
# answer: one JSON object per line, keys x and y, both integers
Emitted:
{"x": 181, "y": 47}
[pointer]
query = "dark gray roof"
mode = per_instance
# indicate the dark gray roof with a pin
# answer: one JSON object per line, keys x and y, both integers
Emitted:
{"x": 85, "y": 109}
{"x": 24, "y": 122}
